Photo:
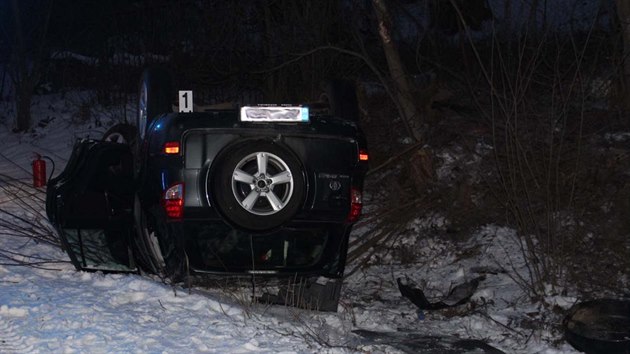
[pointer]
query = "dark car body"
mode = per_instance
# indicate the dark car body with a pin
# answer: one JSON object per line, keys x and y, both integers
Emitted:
{"x": 310, "y": 240}
{"x": 264, "y": 190}
{"x": 91, "y": 205}
{"x": 112, "y": 216}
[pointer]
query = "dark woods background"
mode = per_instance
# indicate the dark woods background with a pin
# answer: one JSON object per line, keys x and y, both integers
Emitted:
{"x": 223, "y": 48}
{"x": 272, "y": 49}
{"x": 479, "y": 110}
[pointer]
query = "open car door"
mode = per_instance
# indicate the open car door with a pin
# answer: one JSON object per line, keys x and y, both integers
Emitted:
{"x": 90, "y": 204}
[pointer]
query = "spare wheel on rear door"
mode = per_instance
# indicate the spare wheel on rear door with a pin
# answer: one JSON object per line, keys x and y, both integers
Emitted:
{"x": 257, "y": 185}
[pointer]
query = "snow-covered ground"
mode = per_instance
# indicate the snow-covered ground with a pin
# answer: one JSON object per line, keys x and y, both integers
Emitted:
{"x": 50, "y": 307}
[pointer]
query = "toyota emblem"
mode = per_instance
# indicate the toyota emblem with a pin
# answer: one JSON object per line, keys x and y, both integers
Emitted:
{"x": 334, "y": 185}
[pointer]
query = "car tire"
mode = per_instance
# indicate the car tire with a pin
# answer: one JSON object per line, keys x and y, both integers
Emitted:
{"x": 154, "y": 98}
{"x": 145, "y": 226}
{"x": 121, "y": 133}
{"x": 157, "y": 244}
{"x": 342, "y": 99}
{"x": 258, "y": 185}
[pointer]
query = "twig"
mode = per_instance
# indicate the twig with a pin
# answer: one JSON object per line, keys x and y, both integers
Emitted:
{"x": 395, "y": 157}
{"x": 498, "y": 322}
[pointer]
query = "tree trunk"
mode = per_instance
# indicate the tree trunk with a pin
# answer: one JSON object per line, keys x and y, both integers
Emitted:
{"x": 20, "y": 74}
{"x": 533, "y": 14}
{"x": 271, "y": 84}
{"x": 403, "y": 95}
{"x": 27, "y": 64}
{"x": 623, "y": 13}
{"x": 4, "y": 76}
{"x": 23, "y": 98}
{"x": 507, "y": 17}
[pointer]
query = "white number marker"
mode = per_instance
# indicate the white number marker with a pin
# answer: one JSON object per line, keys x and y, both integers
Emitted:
{"x": 185, "y": 101}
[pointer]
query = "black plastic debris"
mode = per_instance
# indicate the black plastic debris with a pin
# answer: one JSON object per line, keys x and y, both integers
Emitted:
{"x": 458, "y": 295}
{"x": 599, "y": 326}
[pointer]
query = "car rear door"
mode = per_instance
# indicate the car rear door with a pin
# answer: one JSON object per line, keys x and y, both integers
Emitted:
{"x": 91, "y": 206}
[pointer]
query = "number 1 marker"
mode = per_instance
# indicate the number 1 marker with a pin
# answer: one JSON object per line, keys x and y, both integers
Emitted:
{"x": 185, "y": 101}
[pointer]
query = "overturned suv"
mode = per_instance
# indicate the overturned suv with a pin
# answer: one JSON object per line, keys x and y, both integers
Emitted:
{"x": 266, "y": 191}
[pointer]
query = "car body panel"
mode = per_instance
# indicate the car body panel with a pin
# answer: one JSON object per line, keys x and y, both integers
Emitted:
{"x": 314, "y": 241}
{"x": 90, "y": 205}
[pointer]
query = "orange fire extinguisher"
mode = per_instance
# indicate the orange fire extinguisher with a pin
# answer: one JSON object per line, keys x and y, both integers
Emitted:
{"x": 39, "y": 171}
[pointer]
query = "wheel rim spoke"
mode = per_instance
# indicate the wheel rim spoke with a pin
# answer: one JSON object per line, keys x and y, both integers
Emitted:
{"x": 276, "y": 204}
{"x": 250, "y": 200}
{"x": 282, "y": 177}
{"x": 243, "y": 177}
{"x": 273, "y": 181}
{"x": 261, "y": 160}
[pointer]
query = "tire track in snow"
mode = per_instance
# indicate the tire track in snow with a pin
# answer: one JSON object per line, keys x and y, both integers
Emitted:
{"x": 10, "y": 341}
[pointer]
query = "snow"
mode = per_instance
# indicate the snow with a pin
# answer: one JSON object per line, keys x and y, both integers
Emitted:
{"x": 50, "y": 307}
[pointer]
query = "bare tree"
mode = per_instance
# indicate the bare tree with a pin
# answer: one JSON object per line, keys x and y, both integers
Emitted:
{"x": 27, "y": 58}
{"x": 623, "y": 13}
{"x": 403, "y": 96}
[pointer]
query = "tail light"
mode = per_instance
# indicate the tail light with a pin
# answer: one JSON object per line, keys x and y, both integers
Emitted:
{"x": 174, "y": 201}
{"x": 171, "y": 148}
{"x": 363, "y": 155}
{"x": 356, "y": 204}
